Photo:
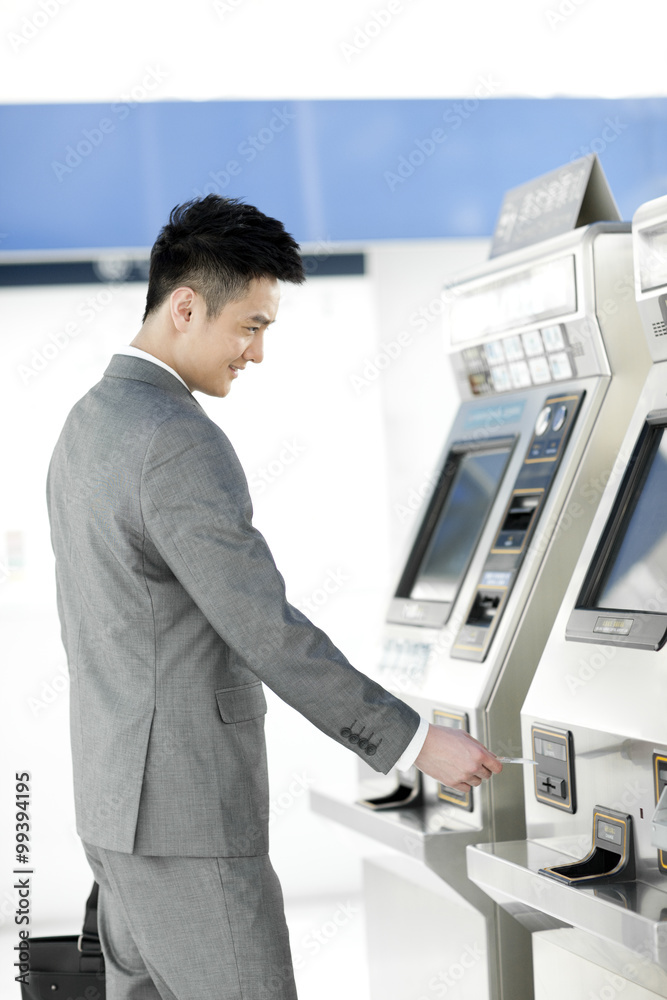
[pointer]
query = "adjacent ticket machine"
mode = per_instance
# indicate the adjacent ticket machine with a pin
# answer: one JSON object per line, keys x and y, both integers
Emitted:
{"x": 549, "y": 358}
{"x": 591, "y": 877}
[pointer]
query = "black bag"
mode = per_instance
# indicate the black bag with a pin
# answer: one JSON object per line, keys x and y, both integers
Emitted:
{"x": 68, "y": 968}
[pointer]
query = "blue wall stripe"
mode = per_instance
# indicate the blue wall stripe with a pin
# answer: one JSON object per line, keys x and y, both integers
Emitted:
{"x": 106, "y": 175}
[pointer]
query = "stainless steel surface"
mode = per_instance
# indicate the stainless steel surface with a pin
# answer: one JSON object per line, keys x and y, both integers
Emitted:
{"x": 571, "y": 963}
{"x": 413, "y": 954}
{"x": 603, "y": 336}
{"x": 659, "y": 822}
{"x": 629, "y": 913}
{"x": 610, "y": 699}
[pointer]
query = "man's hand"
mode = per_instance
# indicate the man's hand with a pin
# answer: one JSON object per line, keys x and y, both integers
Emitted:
{"x": 456, "y": 758}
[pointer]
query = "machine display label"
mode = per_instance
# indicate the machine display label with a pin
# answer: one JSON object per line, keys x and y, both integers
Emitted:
{"x": 610, "y": 832}
{"x": 495, "y": 416}
{"x": 546, "y": 748}
{"x": 614, "y": 626}
{"x": 495, "y": 578}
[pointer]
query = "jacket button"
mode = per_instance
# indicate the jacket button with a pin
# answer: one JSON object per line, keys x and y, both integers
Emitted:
{"x": 353, "y": 737}
{"x": 371, "y": 749}
{"x": 362, "y": 742}
{"x": 345, "y": 732}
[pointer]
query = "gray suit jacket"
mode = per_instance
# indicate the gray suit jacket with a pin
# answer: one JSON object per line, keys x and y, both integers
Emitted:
{"x": 173, "y": 613}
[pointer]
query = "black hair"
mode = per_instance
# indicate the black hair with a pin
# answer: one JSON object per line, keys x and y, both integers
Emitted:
{"x": 216, "y": 246}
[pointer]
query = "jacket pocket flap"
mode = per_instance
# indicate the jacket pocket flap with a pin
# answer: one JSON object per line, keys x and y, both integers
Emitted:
{"x": 241, "y": 703}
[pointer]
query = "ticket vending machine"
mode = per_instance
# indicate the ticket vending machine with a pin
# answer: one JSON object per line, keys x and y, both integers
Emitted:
{"x": 549, "y": 358}
{"x": 590, "y": 878}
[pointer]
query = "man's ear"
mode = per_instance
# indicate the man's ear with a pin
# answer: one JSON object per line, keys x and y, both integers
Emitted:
{"x": 181, "y": 303}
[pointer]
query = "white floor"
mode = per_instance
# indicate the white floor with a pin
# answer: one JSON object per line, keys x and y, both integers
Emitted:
{"x": 328, "y": 948}
{"x": 327, "y": 936}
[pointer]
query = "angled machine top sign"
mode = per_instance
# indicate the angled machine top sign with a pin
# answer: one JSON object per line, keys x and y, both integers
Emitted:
{"x": 564, "y": 199}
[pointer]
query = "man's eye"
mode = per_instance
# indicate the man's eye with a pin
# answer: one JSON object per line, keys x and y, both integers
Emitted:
{"x": 252, "y": 329}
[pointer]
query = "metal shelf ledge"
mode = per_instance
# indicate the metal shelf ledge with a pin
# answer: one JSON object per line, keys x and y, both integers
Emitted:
{"x": 424, "y": 832}
{"x": 632, "y": 914}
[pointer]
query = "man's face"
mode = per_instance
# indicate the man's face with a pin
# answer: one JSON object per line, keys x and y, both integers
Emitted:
{"x": 213, "y": 351}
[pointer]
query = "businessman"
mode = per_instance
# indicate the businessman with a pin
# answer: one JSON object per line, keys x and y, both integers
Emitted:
{"x": 173, "y": 614}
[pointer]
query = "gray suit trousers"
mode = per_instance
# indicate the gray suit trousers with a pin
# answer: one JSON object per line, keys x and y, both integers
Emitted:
{"x": 191, "y": 928}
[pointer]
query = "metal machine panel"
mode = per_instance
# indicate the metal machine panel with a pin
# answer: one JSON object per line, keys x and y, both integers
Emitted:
{"x": 595, "y": 971}
{"x": 650, "y": 231}
{"x": 526, "y": 351}
{"x": 603, "y": 678}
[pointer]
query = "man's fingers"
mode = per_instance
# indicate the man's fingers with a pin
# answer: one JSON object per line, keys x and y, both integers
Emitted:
{"x": 461, "y": 786}
{"x": 450, "y": 754}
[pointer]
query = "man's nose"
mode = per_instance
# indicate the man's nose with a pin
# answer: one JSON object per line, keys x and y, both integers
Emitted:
{"x": 255, "y": 350}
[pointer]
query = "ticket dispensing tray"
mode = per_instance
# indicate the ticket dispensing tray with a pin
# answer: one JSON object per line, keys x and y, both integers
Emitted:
{"x": 630, "y": 913}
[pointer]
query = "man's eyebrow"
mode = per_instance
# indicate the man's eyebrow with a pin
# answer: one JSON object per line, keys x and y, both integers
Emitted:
{"x": 260, "y": 319}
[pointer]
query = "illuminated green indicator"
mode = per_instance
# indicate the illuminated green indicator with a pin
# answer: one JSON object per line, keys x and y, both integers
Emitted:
{"x": 614, "y": 626}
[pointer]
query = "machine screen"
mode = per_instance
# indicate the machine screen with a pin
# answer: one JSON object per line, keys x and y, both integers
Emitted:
{"x": 635, "y": 575}
{"x": 459, "y": 525}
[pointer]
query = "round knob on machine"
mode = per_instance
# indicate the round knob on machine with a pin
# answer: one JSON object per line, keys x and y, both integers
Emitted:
{"x": 560, "y": 417}
{"x": 543, "y": 421}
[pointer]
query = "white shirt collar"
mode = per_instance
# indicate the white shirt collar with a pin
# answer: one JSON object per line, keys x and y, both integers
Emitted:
{"x": 136, "y": 352}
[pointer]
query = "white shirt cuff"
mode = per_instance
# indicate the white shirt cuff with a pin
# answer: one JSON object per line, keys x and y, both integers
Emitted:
{"x": 413, "y": 749}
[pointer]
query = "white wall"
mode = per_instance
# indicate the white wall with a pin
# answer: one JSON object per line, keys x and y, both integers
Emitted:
{"x": 412, "y": 371}
{"x": 70, "y": 50}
